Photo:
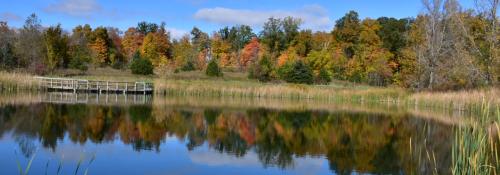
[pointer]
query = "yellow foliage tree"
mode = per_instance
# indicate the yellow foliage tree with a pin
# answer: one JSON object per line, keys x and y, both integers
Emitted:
{"x": 100, "y": 51}
{"x": 155, "y": 48}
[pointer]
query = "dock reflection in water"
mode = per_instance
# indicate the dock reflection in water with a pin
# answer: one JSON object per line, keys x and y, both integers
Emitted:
{"x": 92, "y": 98}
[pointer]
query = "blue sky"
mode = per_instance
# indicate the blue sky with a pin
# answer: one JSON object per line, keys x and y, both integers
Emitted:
{"x": 181, "y": 15}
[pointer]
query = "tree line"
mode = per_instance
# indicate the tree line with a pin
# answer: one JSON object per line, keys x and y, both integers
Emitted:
{"x": 445, "y": 47}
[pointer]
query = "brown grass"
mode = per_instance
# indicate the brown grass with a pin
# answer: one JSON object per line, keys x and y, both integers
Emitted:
{"x": 459, "y": 99}
{"x": 236, "y": 84}
{"x": 16, "y": 81}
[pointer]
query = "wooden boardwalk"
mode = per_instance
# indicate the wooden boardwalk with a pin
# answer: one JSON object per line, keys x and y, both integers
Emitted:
{"x": 91, "y": 86}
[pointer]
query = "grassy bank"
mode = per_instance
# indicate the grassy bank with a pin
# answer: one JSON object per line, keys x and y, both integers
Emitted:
{"x": 13, "y": 82}
{"x": 237, "y": 85}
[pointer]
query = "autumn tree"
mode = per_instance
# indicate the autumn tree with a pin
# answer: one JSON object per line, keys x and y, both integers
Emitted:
{"x": 116, "y": 57}
{"x": 79, "y": 50}
{"x": 371, "y": 57}
{"x": 236, "y": 37}
{"x": 183, "y": 52}
{"x": 393, "y": 33}
{"x": 56, "y": 46}
{"x": 8, "y": 60}
{"x": 155, "y": 47}
{"x": 320, "y": 60}
{"x": 304, "y": 43}
{"x": 273, "y": 36}
{"x": 346, "y": 32}
{"x": 100, "y": 46}
{"x": 201, "y": 45}
{"x": 145, "y": 27}
{"x": 250, "y": 53}
{"x": 221, "y": 50}
{"x": 29, "y": 47}
{"x": 132, "y": 41}
{"x": 289, "y": 55}
{"x": 99, "y": 51}
{"x": 489, "y": 55}
{"x": 291, "y": 28}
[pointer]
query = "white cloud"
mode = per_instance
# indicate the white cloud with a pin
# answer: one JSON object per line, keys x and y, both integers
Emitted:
{"x": 9, "y": 17}
{"x": 79, "y": 8}
{"x": 314, "y": 16}
{"x": 176, "y": 33}
{"x": 300, "y": 165}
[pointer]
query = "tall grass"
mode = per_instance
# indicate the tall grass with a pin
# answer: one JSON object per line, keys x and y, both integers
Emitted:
{"x": 12, "y": 82}
{"x": 475, "y": 149}
{"x": 458, "y": 100}
{"x": 236, "y": 85}
{"x": 230, "y": 88}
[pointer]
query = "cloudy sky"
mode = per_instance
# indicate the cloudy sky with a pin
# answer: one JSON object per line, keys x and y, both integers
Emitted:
{"x": 181, "y": 15}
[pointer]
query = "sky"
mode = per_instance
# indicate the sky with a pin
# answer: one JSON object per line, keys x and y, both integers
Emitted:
{"x": 181, "y": 15}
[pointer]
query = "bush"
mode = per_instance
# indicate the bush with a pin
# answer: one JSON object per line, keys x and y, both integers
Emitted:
{"x": 300, "y": 74}
{"x": 141, "y": 66}
{"x": 323, "y": 77}
{"x": 213, "y": 69}
{"x": 284, "y": 70}
{"x": 189, "y": 66}
{"x": 262, "y": 70}
{"x": 78, "y": 63}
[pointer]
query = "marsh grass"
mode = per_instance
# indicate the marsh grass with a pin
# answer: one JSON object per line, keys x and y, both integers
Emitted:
{"x": 232, "y": 88}
{"x": 475, "y": 149}
{"x": 457, "y": 100}
{"x": 13, "y": 82}
{"x": 25, "y": 171}
{"x": 235, "y": 84}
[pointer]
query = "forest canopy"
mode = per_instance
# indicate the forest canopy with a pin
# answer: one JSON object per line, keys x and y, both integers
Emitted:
{"x": 444, "y": 47}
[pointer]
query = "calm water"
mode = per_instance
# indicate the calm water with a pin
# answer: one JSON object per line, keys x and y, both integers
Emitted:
{"x": 146, "y": 135}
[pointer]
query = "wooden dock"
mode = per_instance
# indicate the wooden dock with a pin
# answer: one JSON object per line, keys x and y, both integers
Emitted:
{"x": 92, "y": 86}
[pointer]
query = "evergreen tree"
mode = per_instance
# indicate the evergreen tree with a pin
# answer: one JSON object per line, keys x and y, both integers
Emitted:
{"x": 300, "y": 74}
{"x": 213, "y": 69}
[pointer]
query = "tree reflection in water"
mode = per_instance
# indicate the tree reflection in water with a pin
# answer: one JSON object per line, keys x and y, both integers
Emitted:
{"x": 351, "y": 141}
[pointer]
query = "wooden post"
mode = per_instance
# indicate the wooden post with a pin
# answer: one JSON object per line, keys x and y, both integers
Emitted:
{"x": 126, "y": 88}
{"x": 107, "y": 87}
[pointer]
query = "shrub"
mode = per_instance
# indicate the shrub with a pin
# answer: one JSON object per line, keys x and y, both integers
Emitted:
{"x": 141, "y": 66}
{"x": 300, "y": 74}
{"x": 213, "y": 69}
{"x": 189, "y": 66}
{"x": 283, "y": 70}
{"x": 78, "y": 63}
{"x": 323, "y": 77}
{"x": 7, "y": 60}
{"x": 262, "y": 70}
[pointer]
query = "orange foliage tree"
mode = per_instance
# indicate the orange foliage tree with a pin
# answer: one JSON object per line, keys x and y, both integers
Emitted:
{"x": 132, "y": 41}
{"x": 250, "y": 53}
{"x": 100, "y": 51}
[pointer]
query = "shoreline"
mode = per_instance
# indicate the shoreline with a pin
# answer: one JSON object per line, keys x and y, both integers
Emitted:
{"x": 336, "y": 91}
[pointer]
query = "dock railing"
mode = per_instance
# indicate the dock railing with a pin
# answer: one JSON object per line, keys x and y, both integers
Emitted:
{"x": 94, "y": 86}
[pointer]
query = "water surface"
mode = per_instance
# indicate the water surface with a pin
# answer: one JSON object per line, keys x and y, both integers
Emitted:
{"x": 116, "y": 134}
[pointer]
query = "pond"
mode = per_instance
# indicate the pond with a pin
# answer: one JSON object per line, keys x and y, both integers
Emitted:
{"x": 117, "y": 134}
